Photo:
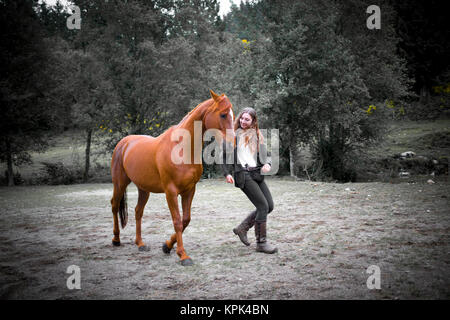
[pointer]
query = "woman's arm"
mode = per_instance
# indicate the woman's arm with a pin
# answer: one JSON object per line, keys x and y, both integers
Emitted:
{"x": 227, "y": 164}
{"x": 264, "y": 158}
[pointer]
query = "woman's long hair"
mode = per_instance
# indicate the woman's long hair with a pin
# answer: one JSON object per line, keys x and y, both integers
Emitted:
{"x": 251, "y": 136}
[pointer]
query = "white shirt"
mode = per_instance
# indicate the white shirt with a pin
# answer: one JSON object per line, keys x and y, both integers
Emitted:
{"x": 245, "y": 156}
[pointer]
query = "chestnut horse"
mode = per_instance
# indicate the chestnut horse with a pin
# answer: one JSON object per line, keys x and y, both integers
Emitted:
{"x": 147, "y": 162}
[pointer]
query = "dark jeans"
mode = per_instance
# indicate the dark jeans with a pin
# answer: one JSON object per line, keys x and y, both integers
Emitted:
{"x": 260, "y": 196}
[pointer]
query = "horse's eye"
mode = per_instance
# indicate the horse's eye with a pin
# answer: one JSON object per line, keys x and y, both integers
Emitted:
{"x": 223, "y": 116}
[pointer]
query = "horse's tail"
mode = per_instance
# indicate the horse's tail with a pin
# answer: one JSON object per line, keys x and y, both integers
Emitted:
{"x": 119, "y": 179}
{"x": 123, "y": 210}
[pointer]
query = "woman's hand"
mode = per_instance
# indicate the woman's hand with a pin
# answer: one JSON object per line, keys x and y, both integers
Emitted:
{"x": 230, "y": 178}
{"x": 266, "y": 168}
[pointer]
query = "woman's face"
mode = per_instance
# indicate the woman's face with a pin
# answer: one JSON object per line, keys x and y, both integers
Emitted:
{"x": 246, "y": 121}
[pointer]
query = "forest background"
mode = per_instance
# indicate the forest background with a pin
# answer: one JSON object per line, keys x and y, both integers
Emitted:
{"x": 345, "y": 98}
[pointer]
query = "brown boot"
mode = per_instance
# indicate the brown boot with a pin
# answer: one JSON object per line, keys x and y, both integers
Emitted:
{"x": 242, "y": 229}
{"x": 261, "y": 242}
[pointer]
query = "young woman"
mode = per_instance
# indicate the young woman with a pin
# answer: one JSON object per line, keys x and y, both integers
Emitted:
{"x": 243, "y": 167}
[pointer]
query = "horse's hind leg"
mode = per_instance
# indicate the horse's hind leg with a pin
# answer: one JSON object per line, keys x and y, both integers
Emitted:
{"x": 115, "y": 204}
{"x": 142, "y": 200}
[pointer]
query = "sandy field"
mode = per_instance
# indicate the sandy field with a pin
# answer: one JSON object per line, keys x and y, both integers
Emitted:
{"x": 327, "y": 234}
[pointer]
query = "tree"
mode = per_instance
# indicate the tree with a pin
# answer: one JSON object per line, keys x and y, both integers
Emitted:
{"x": 193, "y": 19}
{"x": 54, "y": 20}
{"x": 26, "y": 115}
{"x": 317, "y": 72}
{"x": 424, "y": 32}
{"x": 99, "y": 69}
{"x": 157, "y": 79}
{"x": 382, "y": 69}
{"x": 91, "y": 93}
{"x": 241, "y": 21}
{"x": 311, "y": 88}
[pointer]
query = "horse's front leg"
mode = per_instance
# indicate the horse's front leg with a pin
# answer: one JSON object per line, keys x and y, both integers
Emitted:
{"x": 186, "y": 202}
{"x": 172, "y": 201}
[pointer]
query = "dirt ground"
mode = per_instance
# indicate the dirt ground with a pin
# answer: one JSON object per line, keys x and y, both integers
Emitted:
{"x": 327, "y": 234}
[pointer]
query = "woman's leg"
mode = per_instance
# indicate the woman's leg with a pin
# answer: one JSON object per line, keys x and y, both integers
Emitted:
{"x": 242, "y": 229}
{"x": 256, "y": 195}
{"x": 260, "y": 196}
{"x": 265, "y": 190}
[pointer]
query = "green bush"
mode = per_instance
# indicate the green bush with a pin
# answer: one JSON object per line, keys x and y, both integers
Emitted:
{"x": 18, "y": 180}
{"x": 211, "y": 171}
{"x": 330, "y": 161}
{"x": 436, "y": 107}
{"x": 57, "y": 173}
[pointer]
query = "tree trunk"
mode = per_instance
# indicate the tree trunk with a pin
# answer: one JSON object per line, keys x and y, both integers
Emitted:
{"x": 9, "y": 163}
{"x": 292, "y": 154}
{"x": 424, "y": 94}
{"x": 88, "y": 153}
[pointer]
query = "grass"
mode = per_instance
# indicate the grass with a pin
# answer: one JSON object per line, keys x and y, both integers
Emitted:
{"x": 67, "y": 148}
{"x": 426, "y": 138}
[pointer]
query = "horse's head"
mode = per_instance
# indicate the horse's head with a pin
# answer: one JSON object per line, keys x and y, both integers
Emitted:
{"x": 220, "y": 116}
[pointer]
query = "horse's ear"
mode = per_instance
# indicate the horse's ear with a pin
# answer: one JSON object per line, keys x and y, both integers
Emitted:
{"x": 214, "y": 95}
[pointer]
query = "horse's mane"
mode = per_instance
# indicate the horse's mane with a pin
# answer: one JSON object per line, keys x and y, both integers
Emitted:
{"x": 204, "y": 104}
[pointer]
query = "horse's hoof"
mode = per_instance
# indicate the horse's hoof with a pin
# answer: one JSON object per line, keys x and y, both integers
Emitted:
{"x": 116, "y": 243}
{"x": 144, "y": 248}
{"x": 187, "y": 262}
{"x": 165, "y": 248}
